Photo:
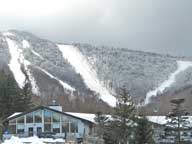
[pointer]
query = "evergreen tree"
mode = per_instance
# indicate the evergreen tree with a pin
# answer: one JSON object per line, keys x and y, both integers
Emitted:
{"x": 122, "y": 123}
{"x": 8, "y": 92}
{"x": 177, "y": 120}
{"x": 26, "y": 94}
{"x": 101, "y": 121}
{"x": 143, "y": 132}
{"x": 12, "y": 98}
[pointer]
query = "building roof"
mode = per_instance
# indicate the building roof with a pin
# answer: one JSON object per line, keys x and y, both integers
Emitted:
{"x": 161, "y": 120}
{"x": 84, "y": 117}
{"x": 87, "y": 116}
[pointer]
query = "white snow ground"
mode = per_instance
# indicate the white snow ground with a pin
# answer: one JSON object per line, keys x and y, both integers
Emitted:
{"x": 79, "y": 62}
{"x": 181, "y": 66}
{"x": 32, "y": 140}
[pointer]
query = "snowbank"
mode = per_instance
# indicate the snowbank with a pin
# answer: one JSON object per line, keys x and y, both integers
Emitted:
{"x": 31, "y": 140}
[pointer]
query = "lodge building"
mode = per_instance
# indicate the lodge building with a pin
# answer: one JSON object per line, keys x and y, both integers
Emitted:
{"x": 48, "y": 119}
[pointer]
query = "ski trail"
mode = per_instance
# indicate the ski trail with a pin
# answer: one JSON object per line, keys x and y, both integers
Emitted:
{"x": 17, "y": 59}
{"x": 181, "y": 66}
{"x": 64, "y": 85}
{"x": 14, "y": 64}
{"x": 79, "y": 62}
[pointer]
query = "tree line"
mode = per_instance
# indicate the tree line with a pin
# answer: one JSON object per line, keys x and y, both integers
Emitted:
{"x": 12, "y": 97}
{"x": 125, "y": 125}
{"x": 128, "y": 126}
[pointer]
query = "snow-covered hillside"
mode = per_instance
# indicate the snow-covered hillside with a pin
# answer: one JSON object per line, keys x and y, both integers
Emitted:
{"x": 16, "y": 63}
{"x": 182, "y": 66}
{"x": 79, "y": 62}
{"x": 89, "y": 75}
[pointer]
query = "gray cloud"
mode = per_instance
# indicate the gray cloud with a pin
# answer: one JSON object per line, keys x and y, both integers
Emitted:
{"x": 163, "y": 26}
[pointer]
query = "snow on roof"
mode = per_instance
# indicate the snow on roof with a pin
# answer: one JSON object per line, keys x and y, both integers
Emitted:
{"x": 162, "y": 119}
{"x": 157, "y": 119}
{"x": 85, "y": 116}
{"x": 15, "y": 114}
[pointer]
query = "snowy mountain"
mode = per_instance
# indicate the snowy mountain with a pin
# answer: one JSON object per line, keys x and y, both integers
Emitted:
{"x": 82, "y": 73}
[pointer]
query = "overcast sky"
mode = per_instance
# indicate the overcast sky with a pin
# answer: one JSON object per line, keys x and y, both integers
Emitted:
{"x": 151, "y": 25}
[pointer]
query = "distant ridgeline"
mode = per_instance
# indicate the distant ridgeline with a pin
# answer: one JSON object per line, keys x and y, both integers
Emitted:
{"x": 83, "y": 77}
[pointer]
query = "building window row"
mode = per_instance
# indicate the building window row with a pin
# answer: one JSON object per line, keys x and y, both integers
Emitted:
{"x": 54, "y": 122}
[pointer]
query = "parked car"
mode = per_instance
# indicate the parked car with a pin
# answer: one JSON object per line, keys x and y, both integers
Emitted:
{"x": 47, "y": 135}
{"x": 79, "y": 140}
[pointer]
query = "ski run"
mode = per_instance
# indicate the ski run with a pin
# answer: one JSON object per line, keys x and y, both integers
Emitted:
{"x": 181, "y": 66}
{"x": 81, "y": 65}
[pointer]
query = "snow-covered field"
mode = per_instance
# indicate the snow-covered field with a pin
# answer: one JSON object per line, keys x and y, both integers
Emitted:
{"x": 181, "y": 66}
{"x": 79, "y": 62}
{"x": 32, "y": 140}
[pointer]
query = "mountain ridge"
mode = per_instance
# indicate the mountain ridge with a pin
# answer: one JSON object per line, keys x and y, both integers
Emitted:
{"x": 54, "y": 75}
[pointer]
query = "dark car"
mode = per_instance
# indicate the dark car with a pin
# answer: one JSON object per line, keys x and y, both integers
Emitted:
{"x": 47, "y": 135}
{"x": 79, "y": 140}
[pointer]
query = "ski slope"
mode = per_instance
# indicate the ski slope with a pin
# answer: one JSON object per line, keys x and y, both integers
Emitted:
{"x": 79, "y": 62}
{"x": 15, "y": 64}
{"x": 37, "y": 54}
{"x": 181, "y": 66}
{"x": 64, "y": 85}
{"x": 17, "y": 59}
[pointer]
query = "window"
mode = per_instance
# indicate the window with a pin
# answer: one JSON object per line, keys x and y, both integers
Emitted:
{"x": 12, "y": 129}
{"x": 74, "y": 127}
{"x": 38, "y": 116}
{"x": 39, "y": 130}
{"x": 56, "y": 127}
{"x": 29, "y": 118}
{"x": 65, "y": 124}
{"x": 47, "y": 120}
{"x": 47, "y": 116}
{"x": 20, "y": 128}
{"x": 47, "y": 127}
{"x": 20, "y": 119}
{"x": 185, "y": 133}
{"x": 65, "y": 127}
{"x": 65, "y": 119}
{"x": 56, "y": 117}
